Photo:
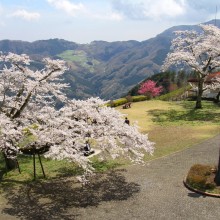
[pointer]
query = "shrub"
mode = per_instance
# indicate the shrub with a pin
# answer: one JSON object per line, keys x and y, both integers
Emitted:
{"x": 117, "y": 102}
{"x": 199, "y": 177}
{"x": 139, "y": 98}
{"x": 122, "y": 101}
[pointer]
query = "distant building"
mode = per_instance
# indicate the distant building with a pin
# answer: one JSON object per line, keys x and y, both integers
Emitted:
{"x": 208, "y": 93}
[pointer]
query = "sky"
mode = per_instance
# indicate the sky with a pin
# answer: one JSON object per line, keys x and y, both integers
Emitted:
{"x": 83, "y": 21}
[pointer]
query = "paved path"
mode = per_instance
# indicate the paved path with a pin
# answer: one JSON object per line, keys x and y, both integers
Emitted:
{"x": 162, "y": 195}
{"x": 154, "y": 191}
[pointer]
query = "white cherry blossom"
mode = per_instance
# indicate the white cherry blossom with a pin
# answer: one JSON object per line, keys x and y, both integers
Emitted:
{"x": 199, "y": 51}
{"x": 27, "y": 100}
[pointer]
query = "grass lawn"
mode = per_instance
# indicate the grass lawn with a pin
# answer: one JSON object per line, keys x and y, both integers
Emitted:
{"x": 174, "y": 126}
{"x": 53, "y": 169}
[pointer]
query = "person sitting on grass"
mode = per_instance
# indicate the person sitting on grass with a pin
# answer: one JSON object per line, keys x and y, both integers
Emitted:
{"x": 127, "y": 121}
{"x": 87, "y": 149}
{"x": 87, "y": 146}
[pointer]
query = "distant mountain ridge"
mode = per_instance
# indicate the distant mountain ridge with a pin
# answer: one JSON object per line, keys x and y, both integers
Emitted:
{"x": 105, "y": 69}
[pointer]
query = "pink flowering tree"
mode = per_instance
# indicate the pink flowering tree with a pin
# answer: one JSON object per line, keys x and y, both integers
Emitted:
{"x": 150, "y": 89}
{"x": 27, "y": 100}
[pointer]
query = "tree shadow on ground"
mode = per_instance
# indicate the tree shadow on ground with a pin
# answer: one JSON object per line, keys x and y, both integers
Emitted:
{"x": 2, "y": 172}
{"x": 196, "y": 195}
{"x": 52, "y": 199}
{"x": 187, "y": 115}
{"x": 3, "y": 169}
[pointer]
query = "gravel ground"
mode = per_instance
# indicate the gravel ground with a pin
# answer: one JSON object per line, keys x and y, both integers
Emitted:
{"x": 154, "y": 191}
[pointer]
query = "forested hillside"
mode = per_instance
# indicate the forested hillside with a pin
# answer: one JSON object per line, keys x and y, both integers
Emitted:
{"x": 105, "y": 69}
{"x": 170, "y": 81}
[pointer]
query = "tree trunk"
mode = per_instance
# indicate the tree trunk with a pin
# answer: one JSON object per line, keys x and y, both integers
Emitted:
{"x": 217, "y": 97}
{"x": 198, "y": 102}
{"x": 217, "y": 176}
{"x": 11, "y": 164}
{"x": 199, "y": 95}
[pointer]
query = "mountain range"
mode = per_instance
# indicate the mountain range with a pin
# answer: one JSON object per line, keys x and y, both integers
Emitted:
{"x": 105, "y": 69}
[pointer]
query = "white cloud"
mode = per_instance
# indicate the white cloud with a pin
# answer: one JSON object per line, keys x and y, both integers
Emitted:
{"x": 129, "y": 9}
{"x": 115, "y": 16}
{"x": 200, "y": 11}
{"x": 26, "y": 15}
{"x": 140, "y": 9}
{"x": 168, "y": 8}
{"x": 92, "y": 12}
{"x": 67, "y": 6}
{"x": 205, "y": 5}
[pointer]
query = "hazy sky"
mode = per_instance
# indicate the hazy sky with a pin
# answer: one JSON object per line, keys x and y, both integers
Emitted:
{"x": 83, "y": 21}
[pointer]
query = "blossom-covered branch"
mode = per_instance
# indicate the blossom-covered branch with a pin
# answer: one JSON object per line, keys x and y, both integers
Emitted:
{"x": 199, "y": 51}
{"x": 21, "y": 87}
{"x": 27, "y": 110}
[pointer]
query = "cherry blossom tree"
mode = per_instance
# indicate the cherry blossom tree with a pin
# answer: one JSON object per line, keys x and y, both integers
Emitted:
{"x": 150, "y": 89}
{"x": 67, "y": 129}
{"x": 199, "y": 51}
{"x": 24, "y": 91}
{"x": 27, "y": 100}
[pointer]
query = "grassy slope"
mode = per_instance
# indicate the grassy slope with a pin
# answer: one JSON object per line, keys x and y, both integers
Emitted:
{"x": 174, "y": 126}
{"x": 80, "y": 57}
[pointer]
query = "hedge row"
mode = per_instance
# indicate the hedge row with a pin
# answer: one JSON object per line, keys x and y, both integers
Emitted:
{"x": 122, "y": 101}
{"x": 176, "y": 94}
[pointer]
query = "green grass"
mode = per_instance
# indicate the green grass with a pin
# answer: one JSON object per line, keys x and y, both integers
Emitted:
{"x": 102, "y": 166}
{"x": 174, "y": 94}
{"x": 53, "y": 169}
{"x": 187, "y": 114}
{"x": 174, "y": 126}
{"x": 78, "y": 56}
{"x": 72, "y": 55}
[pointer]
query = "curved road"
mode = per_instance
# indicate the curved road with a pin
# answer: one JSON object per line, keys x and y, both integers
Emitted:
{"x": 162, "y": 194}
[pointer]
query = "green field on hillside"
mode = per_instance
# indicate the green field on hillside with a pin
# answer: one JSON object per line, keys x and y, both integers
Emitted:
{"x": 80, "y": 57}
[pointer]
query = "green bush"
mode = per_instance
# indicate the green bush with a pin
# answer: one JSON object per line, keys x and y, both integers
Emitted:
{"x": 199, "y": 177}
{"x": 117, "y": 102}
{"x": 122, "y": 101}
{"x": 139, "y": 98}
